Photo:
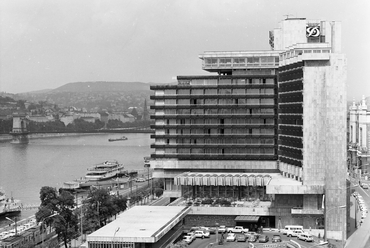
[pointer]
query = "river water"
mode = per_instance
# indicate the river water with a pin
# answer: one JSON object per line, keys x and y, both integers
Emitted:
{"x": 25, "y": 168}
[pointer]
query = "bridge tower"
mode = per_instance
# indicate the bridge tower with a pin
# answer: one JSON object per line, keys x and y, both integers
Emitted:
{"x": 19, "y": 131}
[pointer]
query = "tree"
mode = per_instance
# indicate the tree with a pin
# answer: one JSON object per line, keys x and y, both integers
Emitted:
{"x": 62, "y": 205}
{"x": 99, "y": 206}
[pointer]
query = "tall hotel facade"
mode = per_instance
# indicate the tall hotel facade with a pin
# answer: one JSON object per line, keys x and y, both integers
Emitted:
{"x": 266, "y": 132}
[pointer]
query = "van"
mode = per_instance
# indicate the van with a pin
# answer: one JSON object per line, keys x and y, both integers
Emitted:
{"x": 306, "y": 237}
{"x": 288, "y": 230}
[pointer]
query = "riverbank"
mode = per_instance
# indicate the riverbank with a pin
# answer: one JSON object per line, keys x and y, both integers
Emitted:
{"x": 8, "y": 137}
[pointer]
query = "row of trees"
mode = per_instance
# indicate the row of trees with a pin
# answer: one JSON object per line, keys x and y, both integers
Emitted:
{"x": 58, "y": 209}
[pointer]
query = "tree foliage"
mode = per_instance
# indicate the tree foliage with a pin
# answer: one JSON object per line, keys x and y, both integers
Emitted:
{"x": 99, "y": 206}
{"x": 57, "y": 209}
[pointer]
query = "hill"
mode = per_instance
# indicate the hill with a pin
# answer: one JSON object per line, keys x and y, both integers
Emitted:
{"x": 102, "y": 86}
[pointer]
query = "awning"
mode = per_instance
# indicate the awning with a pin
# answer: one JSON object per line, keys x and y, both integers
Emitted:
{"x": 247, "y": 218}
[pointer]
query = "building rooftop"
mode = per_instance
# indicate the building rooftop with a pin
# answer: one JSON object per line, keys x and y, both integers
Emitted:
{"x": 141, "y": 224}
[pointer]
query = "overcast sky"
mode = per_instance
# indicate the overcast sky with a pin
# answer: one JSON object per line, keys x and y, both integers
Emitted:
{"x": 45, "y": 44}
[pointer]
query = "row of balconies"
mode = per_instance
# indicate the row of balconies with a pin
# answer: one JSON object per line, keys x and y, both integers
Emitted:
{"x": 163, "y": 136}
{"x": 213, "y": 96}
{"x": 204, "y": 145}
{"x": 211, "y": 106}
{"x": 213, "y": 156}
{"x": 195, "y": 126}
{"x": 253, "y": 115}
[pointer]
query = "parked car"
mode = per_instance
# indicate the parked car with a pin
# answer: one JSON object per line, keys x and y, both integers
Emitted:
{"x": 241, "y": 237}
{"x": 305, "y": 237}
{"x": 276, "y": 239}
{"x": 222, "y": 229}
{"x": 188, "y": 238}
{"x": 140, "y": 180}
{"x": 253, "y": 238}
{"x": 295, "y": 233}
{"x": 231, "y": 237}
{"x": 364, "y": 185}
{"x": 201, "y": 234}
{"x": 263, "y": 239}
{"x": 238, "y": 229}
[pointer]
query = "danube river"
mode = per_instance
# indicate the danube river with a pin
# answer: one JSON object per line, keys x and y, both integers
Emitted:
{"x": 25, "y": 168}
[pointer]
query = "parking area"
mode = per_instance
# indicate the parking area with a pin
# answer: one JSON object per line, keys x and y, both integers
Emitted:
{"x": 212, "y": 242}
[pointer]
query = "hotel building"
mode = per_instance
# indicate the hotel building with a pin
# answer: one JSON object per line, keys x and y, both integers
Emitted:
{"x": 263, "y": 137}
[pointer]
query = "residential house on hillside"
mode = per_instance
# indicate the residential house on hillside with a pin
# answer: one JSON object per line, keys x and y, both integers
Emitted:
{"x": 40, "y": 118}
{"x": 124, "y": 117}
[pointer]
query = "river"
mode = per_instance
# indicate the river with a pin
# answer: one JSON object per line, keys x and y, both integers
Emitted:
{"x": 25, "y": 168}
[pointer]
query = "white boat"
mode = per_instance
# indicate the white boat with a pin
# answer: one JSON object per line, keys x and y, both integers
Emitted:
{"x": 103, "y": 171}
{"x": 9, "y": 206}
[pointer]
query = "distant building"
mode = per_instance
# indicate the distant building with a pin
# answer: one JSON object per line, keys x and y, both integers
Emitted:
{"x": 359, "y": 137}
{"x": 40, "y": 118}
{"x": 124, "y": 117}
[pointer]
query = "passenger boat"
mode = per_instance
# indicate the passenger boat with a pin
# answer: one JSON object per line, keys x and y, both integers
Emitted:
{"x": 105, "y": 170}
{"x": 118, "y": 139}
{"x": 9, "y": 206}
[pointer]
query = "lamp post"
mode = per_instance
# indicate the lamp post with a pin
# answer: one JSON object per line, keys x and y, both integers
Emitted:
{"x": 216, "y": 233}
{"x": 114, "y": 235}
{"x": 15, "y": 223}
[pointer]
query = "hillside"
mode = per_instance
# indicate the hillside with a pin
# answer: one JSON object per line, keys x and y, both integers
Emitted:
{"x": 102, "y": 86}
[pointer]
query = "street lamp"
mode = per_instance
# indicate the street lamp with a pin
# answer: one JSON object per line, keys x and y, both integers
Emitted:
{"x": 15, "y": 224}
{"x": 216, "y": 233}
{"x": 114, "y": 235}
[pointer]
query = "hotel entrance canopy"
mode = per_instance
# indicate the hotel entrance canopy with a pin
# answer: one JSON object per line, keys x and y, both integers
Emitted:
{"x": 247, "y": 218}
{"x": 223, "y": 179}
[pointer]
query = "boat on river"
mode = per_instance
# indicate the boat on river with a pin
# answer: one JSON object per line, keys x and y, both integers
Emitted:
{"x": 103, "y": 171}
{"x": 118, "y": 139}
{"x": 9, "y": 206}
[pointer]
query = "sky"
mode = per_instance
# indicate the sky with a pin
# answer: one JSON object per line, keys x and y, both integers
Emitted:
{"x": 47, "y": 43}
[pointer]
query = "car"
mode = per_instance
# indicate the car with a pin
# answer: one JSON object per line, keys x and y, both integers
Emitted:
{"x": 231, "y": 237}
{"x": 276, "y": 239}
{"x": 364, "y": 185}
{"x": 253, "y": 238}
{"x": 188, "y": 238}
{"x": 201, "y": 234}
{"x": 263, "y": 239}
{"x": 241, "y": 237}
{"x": 295, "y": 233}
{"x": 140, "y": 180}
{"x": 222, "y": 229}
{"x": 305, "y": 237}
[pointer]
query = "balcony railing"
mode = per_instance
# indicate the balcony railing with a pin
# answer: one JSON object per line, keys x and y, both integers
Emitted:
{"x": 301, "y": 211}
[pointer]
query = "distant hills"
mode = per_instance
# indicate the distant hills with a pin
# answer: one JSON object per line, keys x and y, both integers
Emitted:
{"x": 102, "y": 86}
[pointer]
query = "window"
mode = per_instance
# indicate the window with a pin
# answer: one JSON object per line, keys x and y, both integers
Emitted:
{"x": 183, "y": 92}
{"x": 210, "y": 92}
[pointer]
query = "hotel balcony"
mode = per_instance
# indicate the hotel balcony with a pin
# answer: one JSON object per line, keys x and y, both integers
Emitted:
{"x": 190, "y": 116}
{"x": 212, "y": 156}
{"x": 194, "y": 126}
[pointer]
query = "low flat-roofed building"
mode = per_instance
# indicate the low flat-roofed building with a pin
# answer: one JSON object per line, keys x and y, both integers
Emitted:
{"x": 141, "y": 226}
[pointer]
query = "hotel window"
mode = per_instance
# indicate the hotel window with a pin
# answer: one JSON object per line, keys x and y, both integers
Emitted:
{"x": 239, "y": 61}
{"x": 224, "y": 91}
{"x": 183, "y": 101}
{"x": 241, "y": 81}
{"x": 197, "y": 91}
{"x": 225, "y": 62}
{"x": 211, "y": 62}
{"x": 238, "y": 91}
{"x": 267, "y": 101}
{"x": 316, "y": 51}
{"x": 197, "y": 112}
{"x": 210, "y": 91}
{"x": 170, "y": 92}
{"x": 183, "y": 150}
{"x": 253, "y": 61}
{"x": 225, "y": 81}
{"x": 183, "y": 92}
{"x": 183, "y": 111}
{"x": 241, "y": 101}
{"x": 253, "y": 91}
{"x": 307, "y": 51}
{"x": 256, "y": 81}
{"x": 253, "y": 101}
{"x": 267, "y": 91}
{"x": 270, "y": 81}
{"x": 210, "y": 101}
{"x": 170, "y": 101}
{"x": 170, "y": 111}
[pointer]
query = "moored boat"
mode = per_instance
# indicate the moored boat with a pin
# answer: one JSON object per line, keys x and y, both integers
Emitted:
{"x": 8, "y": 205}
{"x": 103, "y": 171}
{"x": 118, "y": 139}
